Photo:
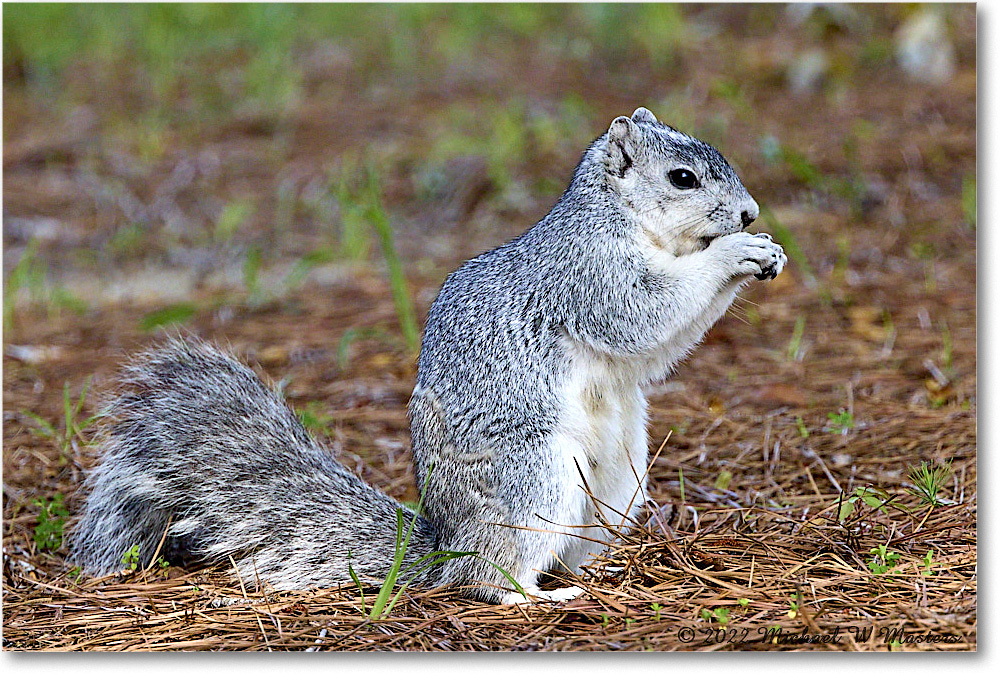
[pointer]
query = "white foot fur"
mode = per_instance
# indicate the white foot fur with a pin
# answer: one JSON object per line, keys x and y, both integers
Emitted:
{"x": 536, "y": 595}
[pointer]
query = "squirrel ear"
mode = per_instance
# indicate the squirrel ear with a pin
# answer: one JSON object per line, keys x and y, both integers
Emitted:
{"x": 623, "y": 136}
{"x": 622, "y": 128}
{"x": 644, "y": 115}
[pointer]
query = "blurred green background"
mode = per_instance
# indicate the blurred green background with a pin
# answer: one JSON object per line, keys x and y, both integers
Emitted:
{"x": 154, "y": 151}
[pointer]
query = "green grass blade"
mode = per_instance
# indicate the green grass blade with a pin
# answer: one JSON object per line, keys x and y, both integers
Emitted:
{"x": 397, "y": 281}
{"x": 401, "y": 545}
{"x": 390, "y": 579}
{"x": 434, "y": 558}
{"x": 83, "y": 396}
{"x": 507, "y": 576}
{"x": 67, "y": 410}
{"x": 438, "y": 558}
{"x": 356, "y": 580}
{"x": 305, "y": 264}
{"x": 16, "y": 280}
{"x": 45, "y": 428}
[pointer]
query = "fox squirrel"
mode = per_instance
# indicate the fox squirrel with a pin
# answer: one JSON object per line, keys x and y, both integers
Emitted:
{"x": 528, "y": 418}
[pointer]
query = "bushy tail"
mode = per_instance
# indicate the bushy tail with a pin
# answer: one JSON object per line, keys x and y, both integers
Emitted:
{"x": 205, "y": 461}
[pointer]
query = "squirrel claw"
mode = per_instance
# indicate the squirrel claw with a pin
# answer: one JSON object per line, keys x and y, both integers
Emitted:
{"x": 767, "y": 274}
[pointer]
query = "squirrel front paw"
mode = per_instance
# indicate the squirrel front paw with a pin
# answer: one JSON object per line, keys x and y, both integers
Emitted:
{"x": 751, "y": 254}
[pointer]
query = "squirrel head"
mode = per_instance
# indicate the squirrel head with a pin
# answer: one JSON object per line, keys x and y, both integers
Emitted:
{"x": 681, "y": 189}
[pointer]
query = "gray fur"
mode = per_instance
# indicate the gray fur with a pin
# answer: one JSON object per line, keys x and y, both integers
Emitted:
{"x": 529, "y": 383}
{"x": 198, "y": 440}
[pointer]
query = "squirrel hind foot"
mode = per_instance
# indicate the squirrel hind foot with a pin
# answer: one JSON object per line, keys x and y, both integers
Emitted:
{"x": 536, "y": 595}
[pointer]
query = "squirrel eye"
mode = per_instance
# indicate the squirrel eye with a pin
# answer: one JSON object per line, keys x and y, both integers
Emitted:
{"x": 683, "y": 179}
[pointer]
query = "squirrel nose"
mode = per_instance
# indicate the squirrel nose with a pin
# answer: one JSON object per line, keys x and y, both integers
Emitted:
{"x": 747, "y": 219}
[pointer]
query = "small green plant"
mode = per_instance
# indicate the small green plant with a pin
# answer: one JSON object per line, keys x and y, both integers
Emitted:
{"x": 31, "y": 273}
{"x": 74, "y": 573}
{"x": 793, "y": 607}
{"x": 508, "y": 143}
{"x": 52, "y": 516}
{"x": 130, "y": 559}
{"x": 604, "y": 619}
{"x": 743, "y": 602}
{"x": 883, "y": 559}
{"x": 870, "y": 496}
{"x": 73, "y": 427}
{"x": 802, "y": 169}
{"x": 385, "y": 600}
{"x": 843, "y": 258}
{"x": 732, "y": 92}
{"x": 922, "y": 250}
{"x": 876, "y": 51}
{"x": 801, "y": 426}
{"x": 841, "y": 421}
{"x": 719, "y": 614}
{"x": 362, "y": 212}
{"x": 660, "y": 29}
{"x": 314, "y": 419}
{"x": 928, "y": 482}
{"x": 926, "y": 560}
{"x": 656, "y": 607}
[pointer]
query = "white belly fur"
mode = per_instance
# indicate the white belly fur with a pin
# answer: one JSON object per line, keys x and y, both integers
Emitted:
{"x": 603, "y": 443}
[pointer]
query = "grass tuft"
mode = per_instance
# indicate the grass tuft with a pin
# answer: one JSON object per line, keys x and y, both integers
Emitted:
{"x": 52, "y": 515}
{"x": 928, "y": 481}
{"x": 385, "y": 600}
{"x": 72, "y": 430}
